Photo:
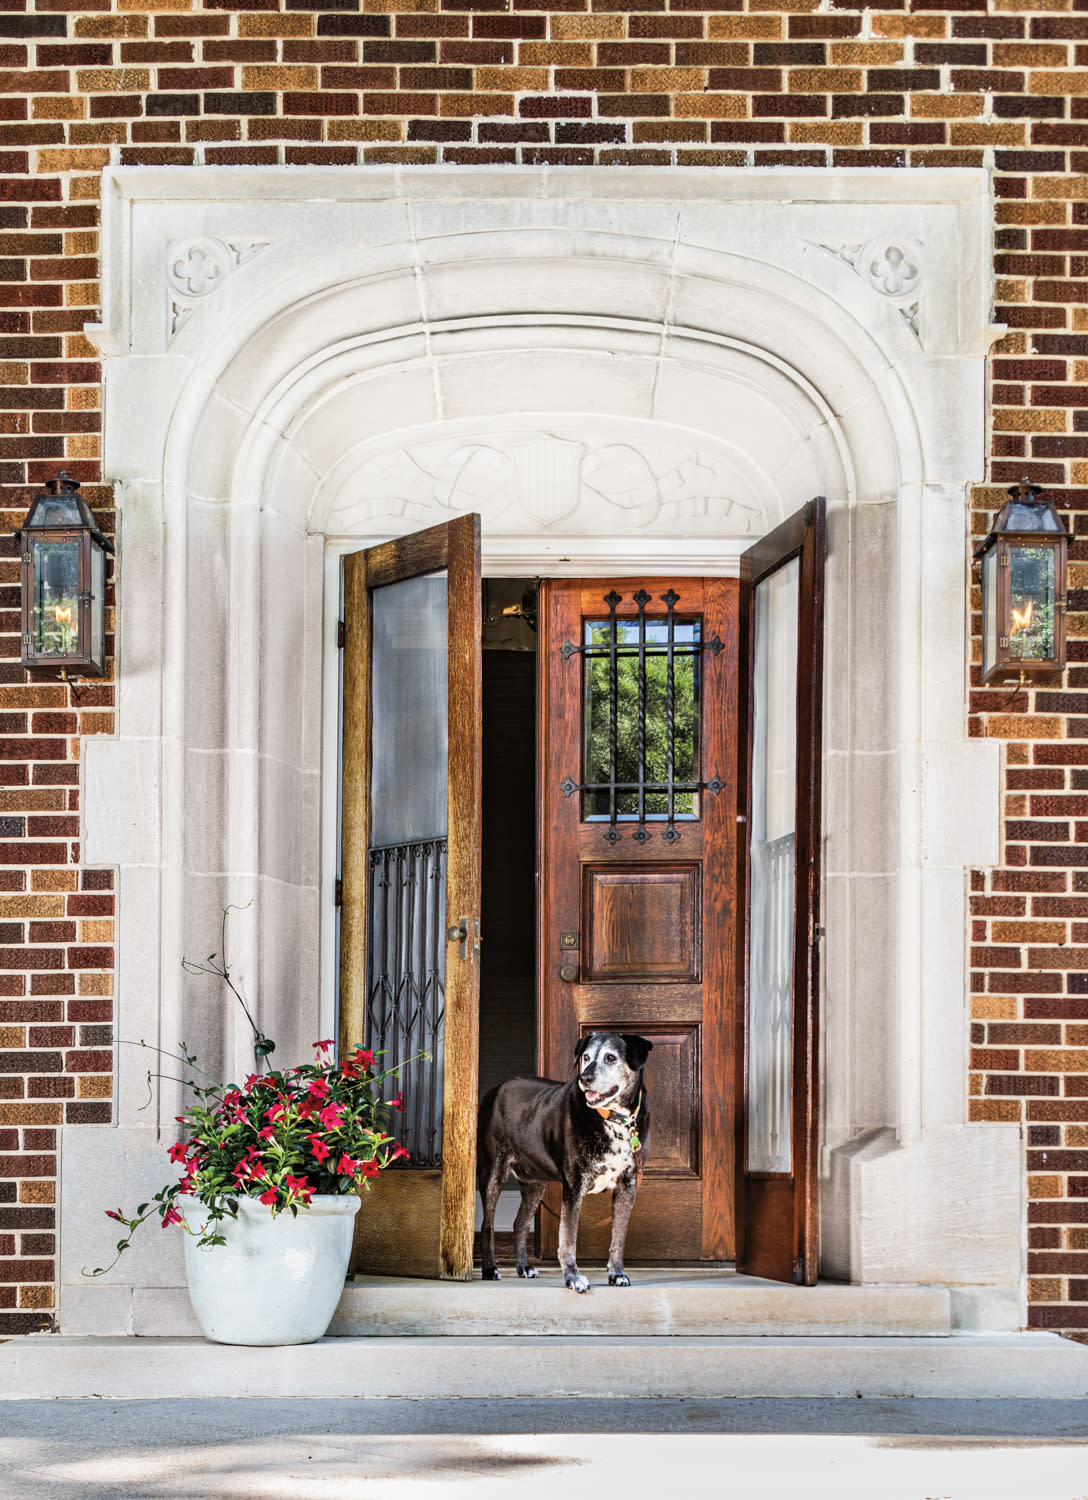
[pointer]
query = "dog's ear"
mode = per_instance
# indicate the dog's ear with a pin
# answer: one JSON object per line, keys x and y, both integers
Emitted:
{"x": 638, "y": 1050}
{"x": 581, "y": 1047}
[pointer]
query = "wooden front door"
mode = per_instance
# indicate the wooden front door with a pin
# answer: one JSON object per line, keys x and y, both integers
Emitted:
{"x": 637, "y": 849}
{"x": 410, "y": 875}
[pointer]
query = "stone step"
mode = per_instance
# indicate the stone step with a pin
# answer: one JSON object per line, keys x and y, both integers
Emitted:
{"x": 660, "y": 1302}
{"x": 962, "y": 1366}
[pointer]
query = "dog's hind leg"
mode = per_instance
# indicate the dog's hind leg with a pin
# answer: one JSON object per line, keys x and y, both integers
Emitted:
{"x": 568, "y": 1240}
{"x": 623, "y": 1201}
{"x": 531, "y": 1194}
{"x": 489, "y": 1192}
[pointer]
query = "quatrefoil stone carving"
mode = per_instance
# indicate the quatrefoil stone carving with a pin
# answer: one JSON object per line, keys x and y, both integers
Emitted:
{"x": 197, "y": 267}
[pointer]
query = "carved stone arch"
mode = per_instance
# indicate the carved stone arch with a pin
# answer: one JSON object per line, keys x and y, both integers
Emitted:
{"x": 389, "y": 312}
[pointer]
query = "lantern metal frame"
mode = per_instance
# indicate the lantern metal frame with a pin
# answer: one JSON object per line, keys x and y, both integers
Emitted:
{"x": 63, "y": 493}
{"x": 1024, "y": 521}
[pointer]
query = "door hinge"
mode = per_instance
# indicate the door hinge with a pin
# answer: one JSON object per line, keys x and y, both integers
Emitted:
{"x": 799, "y": 1272}
{"x": 341, "y": 635}
{"x": 338, "y": 894}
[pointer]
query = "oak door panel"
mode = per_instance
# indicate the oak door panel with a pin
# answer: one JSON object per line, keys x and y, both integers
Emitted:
{"x": 641, "y": 923}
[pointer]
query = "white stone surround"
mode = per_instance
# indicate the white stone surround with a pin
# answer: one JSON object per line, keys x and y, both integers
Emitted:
{"x": 627, "y": 370}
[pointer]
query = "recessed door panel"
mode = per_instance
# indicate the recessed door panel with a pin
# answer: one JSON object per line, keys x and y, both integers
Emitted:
{"x": 641, "y": 924}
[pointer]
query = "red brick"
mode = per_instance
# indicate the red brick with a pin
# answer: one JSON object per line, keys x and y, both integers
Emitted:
{"x": 89, "y": 1060}
{"x": 91, "y": 958}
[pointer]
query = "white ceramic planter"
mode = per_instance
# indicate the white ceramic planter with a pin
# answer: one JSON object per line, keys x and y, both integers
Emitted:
{"x": 276, "y": 1280}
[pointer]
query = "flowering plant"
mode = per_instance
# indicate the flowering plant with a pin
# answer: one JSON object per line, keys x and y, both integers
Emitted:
{"x": 280, "y": 1137}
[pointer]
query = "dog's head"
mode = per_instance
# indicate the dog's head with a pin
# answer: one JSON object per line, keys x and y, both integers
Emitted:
{"x": 610, "y": 1067}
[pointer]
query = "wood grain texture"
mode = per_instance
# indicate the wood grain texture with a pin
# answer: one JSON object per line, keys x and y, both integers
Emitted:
{"x": 649, "y": 928}
{"x": 641, "y": 922}
{"x": 397, "y": 1226}
{"x": 719, "y": 1097}
{"x": 354, "y": 801}
{"x": 464, "y": 840}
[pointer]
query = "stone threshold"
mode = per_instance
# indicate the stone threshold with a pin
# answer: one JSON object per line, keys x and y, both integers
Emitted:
{"x": 661, "y": 1302}
{"x": 961, "y": 1366}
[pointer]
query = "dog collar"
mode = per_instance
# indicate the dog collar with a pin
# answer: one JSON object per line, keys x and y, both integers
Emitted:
{"x": 626, "y": 1119}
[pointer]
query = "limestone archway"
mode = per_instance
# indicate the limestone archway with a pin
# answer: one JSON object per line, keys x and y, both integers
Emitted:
{"x": 627, "y": 371}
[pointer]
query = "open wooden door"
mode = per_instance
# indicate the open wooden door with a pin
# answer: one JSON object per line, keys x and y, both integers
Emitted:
{"x": 410, "y": 878}
{"x": 781, "y": 652}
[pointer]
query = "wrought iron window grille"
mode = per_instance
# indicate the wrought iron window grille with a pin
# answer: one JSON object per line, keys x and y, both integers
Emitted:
{"x": 642, "y": 650}
{"x": 406, "y": 992}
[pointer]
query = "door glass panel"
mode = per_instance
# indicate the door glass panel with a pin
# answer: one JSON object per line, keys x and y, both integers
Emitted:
{"x": 409, "y": 693}
{"x": 406, "y": 948}
{"x": 641, "y": 718}
{"x": 774, "y": 792}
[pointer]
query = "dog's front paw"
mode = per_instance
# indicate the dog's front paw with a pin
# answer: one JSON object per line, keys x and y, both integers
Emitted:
{"x": 576, "y": 1281}
{"x": 527, "y": 1271}
{"x": 491, "y": 1273}
{"x": 618, "y": 1278}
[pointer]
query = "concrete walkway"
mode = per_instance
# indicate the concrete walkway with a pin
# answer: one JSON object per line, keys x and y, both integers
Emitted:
{"x": 480, "y": 1450}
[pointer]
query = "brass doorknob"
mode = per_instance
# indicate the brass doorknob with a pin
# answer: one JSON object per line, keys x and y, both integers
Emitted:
{"x": 568, "y": 973}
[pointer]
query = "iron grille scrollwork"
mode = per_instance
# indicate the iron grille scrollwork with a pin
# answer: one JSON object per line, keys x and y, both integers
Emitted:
{"x": 645, "y": 796}
{"x": 406, "y": 990}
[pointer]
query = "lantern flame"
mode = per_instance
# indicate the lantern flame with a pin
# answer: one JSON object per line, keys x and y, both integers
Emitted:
{"x": 64, "y": 616}
{"x": 1021, "y": 618}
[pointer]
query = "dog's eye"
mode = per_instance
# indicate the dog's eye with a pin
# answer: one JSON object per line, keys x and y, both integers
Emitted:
{"x": 610, "y": 1057}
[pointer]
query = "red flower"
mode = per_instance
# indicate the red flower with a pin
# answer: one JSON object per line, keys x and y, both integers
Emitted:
{"x": 171, "y": 1216}
{"x": 111, "y": 1213}
{"x": 348, "y": 1165}
{"x": 363, "y": 1058}
{"x": 398, "y": 1152}
{"x": 318, "y": 1147}
{"x": 396, "y": 1102}
{"x": 177, "y": 1151}
{"x": 370, "y": 1168}
{"x": 323, "y": 1046}
{"x": 299, "y": 1185}
{"x": 267, "y": 1134}
{"x": 331, "y": 1115}
{"x": 319, "y": 1089}
{"x": 270, "y": 1195}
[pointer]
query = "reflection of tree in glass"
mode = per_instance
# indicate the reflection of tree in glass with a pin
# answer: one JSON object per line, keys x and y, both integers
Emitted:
{"x": 685, "y": 721}
{"x": 1031, "y": 589}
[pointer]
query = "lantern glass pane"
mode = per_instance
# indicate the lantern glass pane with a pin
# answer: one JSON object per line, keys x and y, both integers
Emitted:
{"x": 1031, "y": 602}
{"x": 55, "y": 584}
{"x": 989, "y": 612}
{"x": 98, "y": 607}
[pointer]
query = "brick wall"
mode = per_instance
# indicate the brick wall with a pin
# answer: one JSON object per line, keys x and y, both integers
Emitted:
{"x": 885, "y": 83}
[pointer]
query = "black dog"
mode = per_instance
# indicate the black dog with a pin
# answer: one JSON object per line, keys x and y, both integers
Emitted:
{"x": 590, "y": 1134}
